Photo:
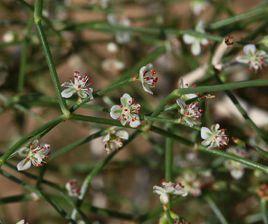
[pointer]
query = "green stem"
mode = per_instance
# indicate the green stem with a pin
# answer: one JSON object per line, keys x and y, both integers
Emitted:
{"x": 264, "y": 211}
{"x": 48, "y": 55}
{"x": 168, "y": 159}
{"x": 216, "y": 210}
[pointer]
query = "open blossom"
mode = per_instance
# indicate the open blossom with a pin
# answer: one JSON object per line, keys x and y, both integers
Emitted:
{"x": 148, "y": 78}
{"x": 214, "y": 137}
{"x": 191, "y": 182}
{"x": 167, "y": 189}
{"x": 36, "y": 154}
{"x": 236, "y": 169}
{"x": 121, "y": 37}
{"x": 256, "y": 59}
{"x": 195, "y": 41}
{"x": 72, "y": 188}
{"x": 190, "y": 113}
{"x": 127, "y": 112}
{"x": 114, "y": 138}
{"x": 80, "y": 86}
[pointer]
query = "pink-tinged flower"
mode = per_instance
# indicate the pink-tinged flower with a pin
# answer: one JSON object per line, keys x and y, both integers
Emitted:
{"x": 236, "y": 169}
{"x": 72, "y": 188}
{"x": 256, "y": 59}
{"x": 195, "y": 41}
{"x": 114, "y": 139}
{"x": 35, "y": 153}
{"x": 80, "y": 86}
{"x": 148, "y": 78}
{"x": 191, "y": 182}
{"x": 190, "y": 113}
{"x": 214, "y": 137}
{"x": 167, "y": 189}
{"x": 127, "y": 112}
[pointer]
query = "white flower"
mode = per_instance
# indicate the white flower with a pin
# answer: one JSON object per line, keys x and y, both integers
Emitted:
{"x": 112, "y": 64}
{"x": 80, "y": 86}
{"x": 214, "y": 137}
{"x": 36, "y": 154}
{"x": 168, "y": 189}
{"x": 194, "y": 41}
{"x": 185, "y": 96}
{"x": 112, "y": 47}
{"x": 9, "y": 37}
{"x": 256, "y": 59}
{"x": 127, "y": 112}
{"x": 236, "y": 169}
{"x": 191, "y": 113}
{"x": 148, "y": 78}
{"x": 114, "y": 138}
{"x": 72, "y": 188}
{"x": 23, "y": 221}
{"x": 197, "y": 6}
{"x": 121, "y": 37}
{"x": 191, "y": 183}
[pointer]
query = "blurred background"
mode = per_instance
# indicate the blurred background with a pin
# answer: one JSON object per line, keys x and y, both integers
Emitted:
{"x": 82, "y": 42}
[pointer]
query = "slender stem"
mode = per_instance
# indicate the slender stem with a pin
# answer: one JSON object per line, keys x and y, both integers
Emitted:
{"x": 216, "y": 210}
{"x": 169, "y": 159}
{"x": 264, "y": 211}
{"x": 48, "y": 55}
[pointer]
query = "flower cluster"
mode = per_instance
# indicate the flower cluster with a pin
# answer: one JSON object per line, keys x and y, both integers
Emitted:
{"x": 35, "y": 154}
{"x": 80, "y": 86}
{"x": 167, "y": 189}
{"x": 148, "y": 77}
{"x": 127, "y": 112}
{"x": 72, "y": 188}
{"x": 114, "y": 138}
{"x": 195, "y": 41}
{"x": 191, "y": 183}
{"x": 256, "y": 59}
{"x": 214, "y": 137}
{"x": 236, "y": 169}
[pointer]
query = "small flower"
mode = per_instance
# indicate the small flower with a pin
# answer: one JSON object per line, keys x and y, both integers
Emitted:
{"x": 148, "y": 78}
{"x": 72, "y": 188}
{"x": 191, "y": 183}
{"x": 191, "y": 113}
{"x": 168, "y": 189}
{"x": 122, "y": 37}
{"x": 185, "y": 96}
{"x": 197, "y": 6}
{"x": 80, "y": 86}
{"x": 214, "y": 137}
{"x": 127, "y": 112}
{"x": 23, "y": 221}
{"x": 36, "y": 154}
{"x": 256, "y": 59}
{"x": 194, "y": 41}
{"x": 112, "y": 65}
{"x": 114, "y": 138}
{"x": 236, "y": 169}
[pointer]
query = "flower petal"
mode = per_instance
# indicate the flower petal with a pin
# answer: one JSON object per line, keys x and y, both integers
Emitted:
{"x": 135, "y": 121}
{"x": 249, "y": 49}
{"x": 188, "y": 39}
{"x": 126, "y": 100}
{"x": 24, "y": 164}
{"x": 205, "y": 133}
{"x": 196, "y": 48}
{"x": 115, "y": 112}
{"x": 67, "y": 93}
{"x": 122, "y": 134}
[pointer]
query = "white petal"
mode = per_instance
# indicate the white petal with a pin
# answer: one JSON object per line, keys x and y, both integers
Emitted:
{"x": 147, "y": 88}
{"x": 164, "y": 198}
{"x": 188, "y": 39}
{"x": 205, "y": 133}
{"x": 122, "y": 134}
{"x": 196, "y": 48}
{"x": 24, "y": 164}
{"x": 206, "y": 142}
{"x": 106, "y": 138}
{"x": 115, "y": 112}
{"x": 204, "y": 41}
{"x": 67, "y": 93}
{"x": 181, "y": 103}
{"x": 250, "y": 48}
{"x": 237, "y": 173}
{"x": 136, "y": 122}
{"x": 126, "y": 100}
